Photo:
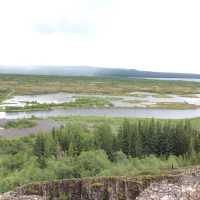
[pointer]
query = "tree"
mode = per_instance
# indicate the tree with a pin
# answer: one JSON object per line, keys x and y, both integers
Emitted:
{"x": 40, "y": 150}
{"x": 104, "y": 139}
{"x": 124, "y": 137}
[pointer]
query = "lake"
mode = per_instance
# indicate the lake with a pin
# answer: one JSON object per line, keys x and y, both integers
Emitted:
{"x": 176, "y": 79}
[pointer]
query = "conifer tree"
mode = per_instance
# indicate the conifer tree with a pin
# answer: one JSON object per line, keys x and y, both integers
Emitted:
{"x": 40, "y": 150}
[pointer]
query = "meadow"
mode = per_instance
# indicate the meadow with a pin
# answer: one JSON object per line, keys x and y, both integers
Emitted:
{"x": 29, "y": 84}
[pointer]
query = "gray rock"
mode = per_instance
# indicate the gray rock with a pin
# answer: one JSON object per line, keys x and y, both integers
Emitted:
{"x": 15, "y": 196}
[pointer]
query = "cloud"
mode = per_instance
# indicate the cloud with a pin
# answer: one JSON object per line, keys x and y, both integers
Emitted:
{"x": 154, "y": 35}
{"x": 83, "y": 28}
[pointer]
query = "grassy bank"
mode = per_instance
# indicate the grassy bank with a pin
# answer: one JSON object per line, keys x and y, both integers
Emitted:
{"x": 96, "y": 102}
{"x": 92, "y": 121}
{"x": 174, "y": 106}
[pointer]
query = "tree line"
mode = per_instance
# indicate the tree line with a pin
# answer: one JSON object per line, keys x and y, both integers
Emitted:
{"x": 134, "y": 139}
{"x": 76, "y": 150}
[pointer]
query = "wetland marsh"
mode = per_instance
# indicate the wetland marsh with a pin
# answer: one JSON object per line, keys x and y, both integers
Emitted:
{"x": 45, "y": 96}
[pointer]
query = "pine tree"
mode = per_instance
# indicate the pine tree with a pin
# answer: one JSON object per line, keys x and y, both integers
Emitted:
{"x": 126, "y": 137}
{"x": 138, "y": 143}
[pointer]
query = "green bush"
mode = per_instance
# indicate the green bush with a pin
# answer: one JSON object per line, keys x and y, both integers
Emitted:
{"x": 90, "y": 163}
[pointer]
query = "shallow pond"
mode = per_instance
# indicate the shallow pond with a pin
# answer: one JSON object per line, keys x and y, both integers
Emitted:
{"x": 21, "y": 101}
{"x": 131, "y": 105}
{"x": 134, "y": 99}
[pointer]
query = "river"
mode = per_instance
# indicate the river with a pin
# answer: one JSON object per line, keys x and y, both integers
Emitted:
{"x": 111, "y": 112}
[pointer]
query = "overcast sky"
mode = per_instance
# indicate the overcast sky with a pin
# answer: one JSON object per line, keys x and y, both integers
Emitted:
{"x": 158, "y": 35}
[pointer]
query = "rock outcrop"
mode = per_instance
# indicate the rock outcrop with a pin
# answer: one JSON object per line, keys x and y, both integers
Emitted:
{"x": 187, "y": 190}
{"x": 16, "y": 196}
{"x": 185, "y": 187}
{"x": 104, "y": 188}
{"x": 179, "y": 185}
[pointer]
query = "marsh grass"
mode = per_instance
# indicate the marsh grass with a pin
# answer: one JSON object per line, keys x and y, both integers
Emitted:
{"x": 115, "y": 86}
{"x": 175, "y": 106}
{"x": 80, "y": 102}
{"x": 5, "y": 94}
{"x": 29, "y": 84}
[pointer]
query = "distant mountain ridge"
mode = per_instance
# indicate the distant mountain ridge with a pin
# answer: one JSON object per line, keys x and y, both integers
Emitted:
{"x": 91, "y": 71}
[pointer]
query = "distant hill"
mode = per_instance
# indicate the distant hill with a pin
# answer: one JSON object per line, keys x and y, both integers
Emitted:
{"x": 90, "y": 71}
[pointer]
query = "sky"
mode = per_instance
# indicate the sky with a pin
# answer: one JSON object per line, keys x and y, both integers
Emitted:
{"x": 156, "y": 35}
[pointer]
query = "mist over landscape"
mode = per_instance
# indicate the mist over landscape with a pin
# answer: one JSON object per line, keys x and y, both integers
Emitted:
{"x": 91, "y": 71}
